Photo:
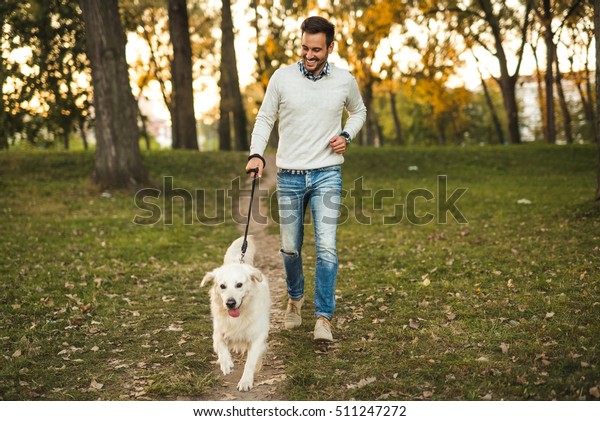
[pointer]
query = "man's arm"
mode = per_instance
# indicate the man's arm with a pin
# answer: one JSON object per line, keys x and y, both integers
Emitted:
{"x": 357, "y": 112}
{"x": 265, "y": 120}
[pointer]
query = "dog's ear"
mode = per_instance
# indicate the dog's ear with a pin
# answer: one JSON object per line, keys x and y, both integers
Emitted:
{"x": 210, "y": 276}
{"x": 256, "y": 275}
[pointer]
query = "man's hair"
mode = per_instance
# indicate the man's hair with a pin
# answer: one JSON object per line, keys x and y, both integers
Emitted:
{"x": 316, "y": 25}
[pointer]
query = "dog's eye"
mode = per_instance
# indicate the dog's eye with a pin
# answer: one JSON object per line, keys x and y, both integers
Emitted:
{"x": 238, "y": 285}
{"x": 223, "y": 286}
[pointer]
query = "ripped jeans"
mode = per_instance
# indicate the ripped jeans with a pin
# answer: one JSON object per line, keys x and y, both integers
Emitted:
{"x": 322, "y": 189}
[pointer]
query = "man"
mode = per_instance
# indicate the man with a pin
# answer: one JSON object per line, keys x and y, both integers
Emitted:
{"x": 309, "y": 98}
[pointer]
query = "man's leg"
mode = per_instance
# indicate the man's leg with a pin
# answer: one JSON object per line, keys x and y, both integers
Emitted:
{"x": 292, "y": 202}
{"x": 325, "y": 204}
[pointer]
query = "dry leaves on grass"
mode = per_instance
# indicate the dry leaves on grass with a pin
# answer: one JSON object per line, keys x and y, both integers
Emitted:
{"x": 361, "y": 383}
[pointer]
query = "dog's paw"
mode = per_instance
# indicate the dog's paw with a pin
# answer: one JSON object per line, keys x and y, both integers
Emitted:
{"x": 226, "y": 365}
{"x": 245, "y": 384}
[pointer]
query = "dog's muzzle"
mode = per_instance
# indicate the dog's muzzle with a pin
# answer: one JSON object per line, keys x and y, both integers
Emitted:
{"x": 232, "y": 308}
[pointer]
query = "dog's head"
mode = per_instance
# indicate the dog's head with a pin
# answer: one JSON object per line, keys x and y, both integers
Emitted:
{"x": 231, "y": 284}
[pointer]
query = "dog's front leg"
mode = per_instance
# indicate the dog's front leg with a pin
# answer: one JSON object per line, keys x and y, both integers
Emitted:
{"x": 254, "y": 358}
{"x": 222, "y": 351}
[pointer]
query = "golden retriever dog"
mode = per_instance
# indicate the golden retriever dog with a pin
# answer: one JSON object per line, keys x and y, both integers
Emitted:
{"x": 240, "y": 304}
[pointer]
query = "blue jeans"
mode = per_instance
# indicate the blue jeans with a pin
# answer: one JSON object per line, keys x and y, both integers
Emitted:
{"x": 322, "y": 189}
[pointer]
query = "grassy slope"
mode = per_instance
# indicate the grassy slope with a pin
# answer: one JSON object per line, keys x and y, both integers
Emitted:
{"x": 503, "y": 307}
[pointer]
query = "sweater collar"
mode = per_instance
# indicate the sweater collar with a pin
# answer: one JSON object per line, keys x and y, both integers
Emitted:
{"x": 325, "y": 71}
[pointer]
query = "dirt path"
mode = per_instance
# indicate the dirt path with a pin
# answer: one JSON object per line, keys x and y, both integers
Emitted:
{"x": 267, "y": 259}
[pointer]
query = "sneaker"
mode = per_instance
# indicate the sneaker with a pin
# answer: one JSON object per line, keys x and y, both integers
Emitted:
{"x": 323, "y": 330}
{"x": 293, "y": 317}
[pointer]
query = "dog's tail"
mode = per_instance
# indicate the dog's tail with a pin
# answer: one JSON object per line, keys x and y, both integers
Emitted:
{"x": 234, "y": 252}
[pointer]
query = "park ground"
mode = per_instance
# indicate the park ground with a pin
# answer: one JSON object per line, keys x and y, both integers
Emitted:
{"x": 494, "y": 296}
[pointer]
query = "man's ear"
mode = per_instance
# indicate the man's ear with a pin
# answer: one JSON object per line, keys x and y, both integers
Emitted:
{"x": 210, "y": 276}
{"x": 330, "y": 48}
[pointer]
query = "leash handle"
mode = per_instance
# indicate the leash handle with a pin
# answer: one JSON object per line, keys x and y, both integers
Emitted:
{"x": 245, "y": 243}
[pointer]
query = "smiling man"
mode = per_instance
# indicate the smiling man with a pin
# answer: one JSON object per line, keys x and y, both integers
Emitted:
{"x": 309, "y": 98}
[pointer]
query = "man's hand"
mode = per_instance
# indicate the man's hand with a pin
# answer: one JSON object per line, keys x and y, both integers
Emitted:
{"x": 255, "y": 163}
{"x": 338, "y": 144}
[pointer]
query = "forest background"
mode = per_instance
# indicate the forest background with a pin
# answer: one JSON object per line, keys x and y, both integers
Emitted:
{"x": 445, "y": 72}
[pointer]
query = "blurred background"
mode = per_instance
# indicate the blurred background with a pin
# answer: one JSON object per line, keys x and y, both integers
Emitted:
{"x": 431, "y": 73}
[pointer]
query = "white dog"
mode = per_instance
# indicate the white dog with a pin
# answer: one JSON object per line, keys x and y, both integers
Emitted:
{"x": 240, "y": 305}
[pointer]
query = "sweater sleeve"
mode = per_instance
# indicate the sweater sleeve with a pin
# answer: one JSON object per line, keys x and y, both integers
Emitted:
{"x": 265, "y": 120}
{"x": 357, "y": 112}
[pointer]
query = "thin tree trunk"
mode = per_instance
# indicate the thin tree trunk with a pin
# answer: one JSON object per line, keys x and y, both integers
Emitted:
{"x": 564, "y": 106}
{"x": 507, "y": 81}
{"x": 231, "y": 96}
{"x": 181, "y": 74}
{"x": 118, "y": 161}
{"x": 66, "y": 132}
{"x": 550, "y": 129}
{"x": 83, "y": 133}
{"x": 597, "y": 131}
{"x": 396, "y": 118}
{"x": 493, "y": 113}
{"x": 3, "y": 113}
{"x": 540, "y": 91}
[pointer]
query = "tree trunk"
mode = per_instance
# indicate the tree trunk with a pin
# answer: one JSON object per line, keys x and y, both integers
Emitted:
{"x": 493, "y": 113}
{"x": 396, "y": 118}
{"x": 371, "y": 124}
{"x": 550, "y": 129}
{"x": 597, "y": 131}
{"x": 564, "y": 106}
{"x": 182, "y": 98}
{"x": 118, "y": 161}
{"x": 82, "y": 132}
{"x": 507, "y": 81}
{"x": 3, "y": 113}
{"x": 224, "y": 125}
{"x": 231, "y": 96}
{"x": 540, "y": 91}
{"x": 509, "y": 96}
{"x": 66, "y": 133}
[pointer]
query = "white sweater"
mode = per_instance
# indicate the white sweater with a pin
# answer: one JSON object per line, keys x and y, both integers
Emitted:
{"x": 310, "y": 114}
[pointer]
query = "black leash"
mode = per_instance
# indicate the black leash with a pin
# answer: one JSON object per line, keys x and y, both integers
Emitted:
{"x": 245, "y": 243}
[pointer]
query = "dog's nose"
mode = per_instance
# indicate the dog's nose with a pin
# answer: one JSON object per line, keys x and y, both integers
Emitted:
{"x": 230, "y": 303}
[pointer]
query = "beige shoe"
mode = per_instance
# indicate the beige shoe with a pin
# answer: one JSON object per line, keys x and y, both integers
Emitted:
{"x": 323, "y": 330}
{"x": 293, "y": 318}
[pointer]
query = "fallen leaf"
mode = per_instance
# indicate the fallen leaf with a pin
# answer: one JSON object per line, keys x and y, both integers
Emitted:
{"x": 550, "y": 315}
{"x": 17, "y": 353}
{"x": 504, "y": 347}
{"x": 413, "y": 323}
{"x": 95, "y": 385}
{"x": 595, "y": 392}
{"x": 173, "y": 328}
{"x": 361, "y": 383}
{"x": 427, "y": 394}
{"x": 522, "y": 380}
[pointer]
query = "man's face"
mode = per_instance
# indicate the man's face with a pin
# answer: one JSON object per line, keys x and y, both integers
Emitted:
{"x": 315, "y": 51}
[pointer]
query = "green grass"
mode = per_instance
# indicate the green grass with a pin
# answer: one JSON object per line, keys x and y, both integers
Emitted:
{"x": 504, "y": 306}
